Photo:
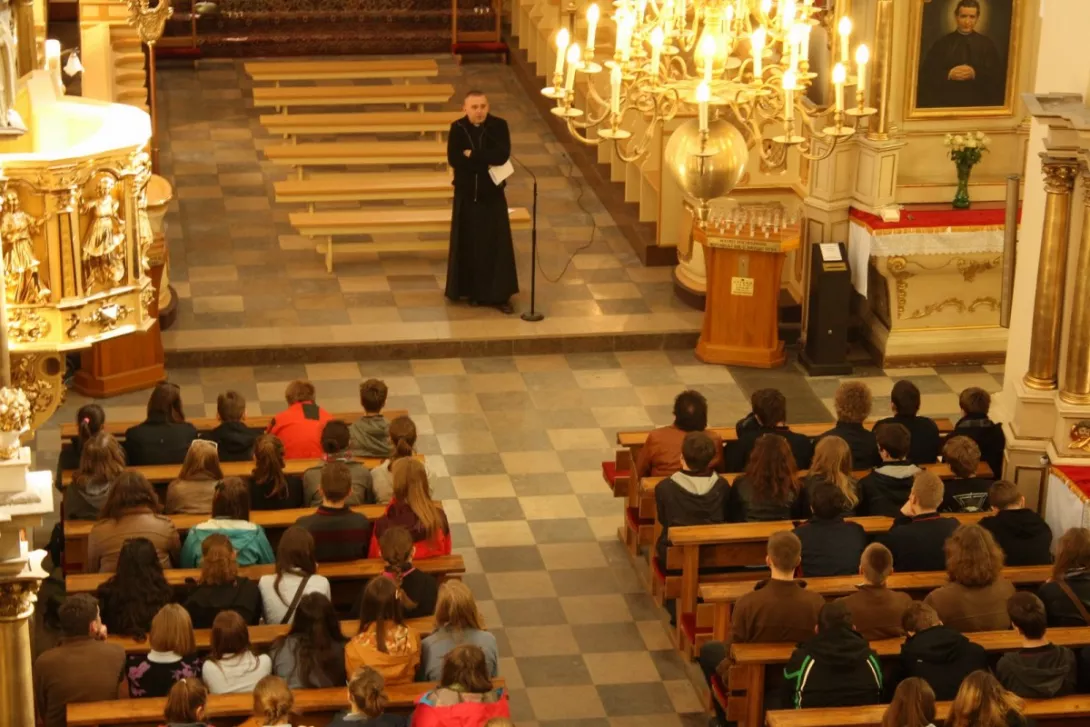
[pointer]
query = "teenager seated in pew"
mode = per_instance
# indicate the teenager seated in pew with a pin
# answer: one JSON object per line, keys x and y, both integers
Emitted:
{"x": 1024, "y": 536}
{"x": 770, "y": 410}
{"x": 234, "y": 439}
{"x": 274, "y": 705}
{"x": 187, "y": 704}
{"x": 403, "y": 444}
{"x": 221, "y": 587}
{"x": 414, "y": 509}
{"x": 192, "y": 491}
{"x": 834, "y": 668}
{"x": 89, "y": 421}
{"x": 464, "y": 695}
{"x": 270, "y": 487}
{"x": 457, "y": 621}
{"x": 694, "y": 495}
{"x": 173, "y": 655}
{"x": 660, "y": 454}
{"x": 832, "y": 464}
{"x": 299, "y": 426}
{"x": 384, "y": 642}
{"x": 232, "y": 666}
{"x": 296, "y": 576}
{"x": 311, "y": 655}
{"x": 904, "y": 400}
{"x": 164, "y": 436}
{"x": 779, "y": 610}
{"x": 919, "y": 532}
{"x": 335, "y": 449}
{"x": 101, "y": 462}
{"x": 975, "y": 404}
{"x": 830, "y": 546}
{"x": 1040, "y": 669}
{"x": 936, "y": 653}
{"x": 130, "y": 511}
{"x": 132, "y": 596}
{"x": 339, "y": 533}
{"x": 367, "y": 703}
{"x": 913, "y": 705}
{"x": 965, "y": 492}
{"x": 975, "y": 599}
{"x": 853, "y": 403}
{"x": 884, "y": 490}
{"x": 83, "y": 668}
{"x": 1066, "y": 594}
{"x": 418, "y": 591}
{"x": 370, "y": 434}
{"x": 876, "y": 610}
{"x": 769, "y": 489}
{"x": 230, "y": 517}
{"x": 982, "y": 701}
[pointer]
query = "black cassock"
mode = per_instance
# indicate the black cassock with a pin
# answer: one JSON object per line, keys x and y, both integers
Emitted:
{"x": 481, "y": 266}
{"x": 935, "y": 90}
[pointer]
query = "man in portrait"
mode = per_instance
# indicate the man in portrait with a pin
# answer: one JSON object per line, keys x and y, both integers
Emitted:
{"x": 962, "y": 68}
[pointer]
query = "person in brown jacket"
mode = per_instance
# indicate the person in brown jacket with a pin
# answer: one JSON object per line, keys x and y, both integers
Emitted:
{"x": 192, "y": 492}
{"x": 876, "y": 610}
{"x": 778, "y": 610}
{"x": 660, "y": 455}
{"x": 976, "y": 597}
{"x": 131, "y": 511}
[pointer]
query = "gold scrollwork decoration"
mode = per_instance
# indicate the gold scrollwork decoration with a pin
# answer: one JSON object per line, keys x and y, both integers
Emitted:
{"x": 17, "y": 599}
{"x": 26, "y": 325}
{"x": 147, "y": 298}
{"x": 897, "y": 267}
{"x": 1059, "y": 176}
{"x": 956, "y": 303}
{"x": 108, "y": 316}
{"x": 40, "y": 376}
{"x": 969, "y": 269}
{"x": 1080, "y": 435}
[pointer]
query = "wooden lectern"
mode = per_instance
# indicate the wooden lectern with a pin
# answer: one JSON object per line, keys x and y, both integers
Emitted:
{"x": 741, "y": 313}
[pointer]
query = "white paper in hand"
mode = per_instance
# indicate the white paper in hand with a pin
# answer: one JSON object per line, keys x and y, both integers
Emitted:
{"x": 501, "y": 172}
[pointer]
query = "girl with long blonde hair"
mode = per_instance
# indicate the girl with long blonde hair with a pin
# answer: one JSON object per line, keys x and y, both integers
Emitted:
{"x": 832, "y": 463}
{"x": 193, "y": 490}
{"x": 457, "y": 622}
{"x": 983, "y": 702}
{"x": 414, "y": 509}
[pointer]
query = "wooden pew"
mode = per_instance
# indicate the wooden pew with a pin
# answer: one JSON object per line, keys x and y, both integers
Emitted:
{"x": 335, "y": 70}
{"x": 396, "y": 220}
{"x": 357, "y": 153}
{"x": 319, "y": 706}
{"x": 365, "y": 187}
{"x": 259, "y": 422}
{"x": 745, "y": 703}
{"x": 284, "y": 97}
{"x": 1073, "y": 710}
{"x": 384, "y": 122}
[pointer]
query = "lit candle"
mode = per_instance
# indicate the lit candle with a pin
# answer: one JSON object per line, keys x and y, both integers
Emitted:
{"x": 561, "y": 49}
{"x": 707, "y": 48}
{"x": 845, "y": 31}
{"x": 682, "y": 11}
{"x": 862, "y": 57}
{"x": 573, "y": 64}
{"x": 790, "y": 83}
{"x": 805, "y": 44}
{"x": 757, "y": 40}
{"x": 593, "y": 13}
{"x": 657, "y": 37}
{"x": 626, "y": 30}
{"x": 840, "y": 75}
{"x": 53, "y": 63}
{"x": 641, "y": 11}
{"x": 703, "y": 95}
{"x": 794, "y": 41}
{"x": 787, "y": 13}
{"x": 766, "y": 8}
{"x": 615, "y": 90}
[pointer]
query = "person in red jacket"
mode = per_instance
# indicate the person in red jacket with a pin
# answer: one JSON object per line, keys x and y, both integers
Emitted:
{"x": 465, "y": 696}
{"x": 299, "y": 426}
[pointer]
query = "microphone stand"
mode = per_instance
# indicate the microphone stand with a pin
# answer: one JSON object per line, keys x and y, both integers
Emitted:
{"x": 533, "y": 315}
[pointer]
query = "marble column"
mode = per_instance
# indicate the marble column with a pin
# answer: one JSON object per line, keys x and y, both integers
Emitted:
{"x": 1051, "y": 270}
{"x": 1075, "y": 388}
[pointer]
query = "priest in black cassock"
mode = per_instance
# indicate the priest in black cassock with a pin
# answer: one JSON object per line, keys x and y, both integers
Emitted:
{"x": 963, "y": 68}
{"x": 481, "y": 266}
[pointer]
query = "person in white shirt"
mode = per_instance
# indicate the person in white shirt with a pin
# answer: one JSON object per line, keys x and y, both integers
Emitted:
{"x": 232, "y": 666}
{"x": 295, "y": 577}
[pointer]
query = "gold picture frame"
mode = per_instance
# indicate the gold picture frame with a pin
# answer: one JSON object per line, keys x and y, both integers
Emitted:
{"x": 916, "y": 53}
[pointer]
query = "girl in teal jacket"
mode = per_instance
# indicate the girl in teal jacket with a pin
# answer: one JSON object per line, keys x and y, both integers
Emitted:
{"x": 230, "y": 517}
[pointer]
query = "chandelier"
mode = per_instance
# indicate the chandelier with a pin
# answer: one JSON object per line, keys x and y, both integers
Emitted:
{"x": 743, "y": 64}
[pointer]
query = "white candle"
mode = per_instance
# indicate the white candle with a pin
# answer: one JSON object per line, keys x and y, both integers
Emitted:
{"x": 626, "y": 30}
{"x": 840, "y": 75}
{"x": 682, "y": 11}
{"x": 573, "y": 64}
{"x": 561, "y": 49}
{"x": 794, "y": 41}
{"x": 757, "y": 40}
{"x": 805, "y": 44}
{"x": 53, "y": 63}
{"x": 642, "y": 10}
{"x": 707, "y": 48}
{"x": 703, "y": 95}
{"x": 593, "y": 13}
{"x": 787, "y": 14}
{"x": 615, "y": 90}
{"x": 657, "y": 37}
{"x": 766, "y": 8}
{"x": 790, "y": 83}
{"x": 862, "y": 57}
{"x": 845, "y": 31}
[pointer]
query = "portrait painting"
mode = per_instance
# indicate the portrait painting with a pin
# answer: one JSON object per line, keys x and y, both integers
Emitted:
{"x": 962, "y": 58}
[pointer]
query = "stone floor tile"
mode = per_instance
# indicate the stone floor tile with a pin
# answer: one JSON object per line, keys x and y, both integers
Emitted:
{"x": 621, "y": 667}
{"x": 541, "y": 641}
{"x": 566, "y": 703}
{"x": 642, "y": 699}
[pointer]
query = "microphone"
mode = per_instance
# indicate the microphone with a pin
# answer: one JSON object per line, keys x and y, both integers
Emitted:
{"x": 532, "y": 315}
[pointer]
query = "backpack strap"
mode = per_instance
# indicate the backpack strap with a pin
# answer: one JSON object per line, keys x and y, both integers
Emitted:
{"x": 298, "y": 597}
{"x": 1074, "y": 600}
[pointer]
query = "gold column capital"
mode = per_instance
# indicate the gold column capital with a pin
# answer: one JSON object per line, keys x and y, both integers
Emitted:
{"x": 1059, "y": 175}
{"x": 17, "y": 598}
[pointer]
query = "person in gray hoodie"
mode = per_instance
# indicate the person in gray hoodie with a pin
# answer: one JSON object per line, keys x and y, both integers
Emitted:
{"x": 696, "y": 495}
{"x": 101, "y": 462}
{"x": 1040, "y": 669}
{"x": 885, "y": 490}
{"x": 370, "y": 434}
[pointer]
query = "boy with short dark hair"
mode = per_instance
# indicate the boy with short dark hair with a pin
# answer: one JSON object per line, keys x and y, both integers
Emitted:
{"x": 335, "y": 439}
{"x": 904, "y": 399}
{"x": 339, "y": 533}
{"x": 695, "y": 495}
{"x": 853, "y": 402}
{"x": 660, "y": 455}
{"x": 884, "y": 490}
{"x": 234, "y": 440}
{"x": 1024, "y": 536}
{"x": 918, "y": 534}
{"x": 975, "y": 404}
{"x": 965, "y": 492}
{"x": 770, "y": 411}
{"x": 370, "y": 434}
{"x": 938, "y": 654}
{"x": 1040, "y": 669}
{"x": 830, "y": 546}
{"x": 876, "y": 610}
{"x": 834, "y": 668}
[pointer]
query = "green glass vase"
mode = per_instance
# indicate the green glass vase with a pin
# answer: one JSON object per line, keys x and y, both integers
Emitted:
{"x": 961, "y": 197}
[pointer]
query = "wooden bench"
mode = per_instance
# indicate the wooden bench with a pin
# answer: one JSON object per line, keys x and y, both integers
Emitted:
{"x": 366, "y": 187}
{"x": 1069, "y": 711}
{"x": 399, "y": 220}
{"x": 385, "y": 122}
{"x": 745, "y": 701}
{"x": 357, "y": 153}
{"x": 334, "y": 70}
{"x": 319, "y": 706}
{"x": 284, "y": 97}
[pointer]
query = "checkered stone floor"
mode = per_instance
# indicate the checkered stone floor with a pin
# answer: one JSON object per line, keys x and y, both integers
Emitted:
{"x": 517, "y": 445}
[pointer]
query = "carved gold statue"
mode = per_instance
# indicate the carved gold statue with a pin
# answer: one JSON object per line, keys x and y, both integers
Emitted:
{"x": 21, "y": 280}
{"x": 144, "y": 235}
{"x": 104, "y": 245}
{"x": 1080, "y": 435}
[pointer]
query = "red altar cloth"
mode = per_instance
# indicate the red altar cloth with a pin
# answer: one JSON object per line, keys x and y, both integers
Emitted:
{"x": 937, "y": 216}
{"x": 1078, "y": 475}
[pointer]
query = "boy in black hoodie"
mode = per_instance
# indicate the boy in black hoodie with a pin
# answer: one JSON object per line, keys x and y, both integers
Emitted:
{"x": 770, "y": 411}
{"x": 694, "y": 496}
{"x": 975, "y": 424}
{"x": 919, "y": 532}
{"x": 965, "y": 492}
{"x": 234, "y": 440}
{"x": 885, "y": 490}
{"x": 1040, "y": 669}
{"x": 830, "y": 546}
{"x": 1024, "y": 536}
{"x": 904, "y": 399}
{"x": 939, "y": 655}
{"x": 836, "y": 668}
